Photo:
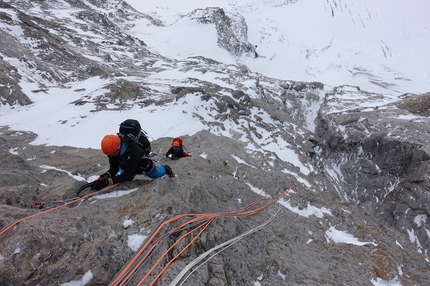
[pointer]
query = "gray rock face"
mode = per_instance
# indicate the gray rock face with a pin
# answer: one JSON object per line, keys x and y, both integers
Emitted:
{"x": 10, "y": 91}
{"x": 359, "y": 171}
{"x": 381, "y": 159}
{"x": 232, "y": 30}
{"x": 64, "y": 244}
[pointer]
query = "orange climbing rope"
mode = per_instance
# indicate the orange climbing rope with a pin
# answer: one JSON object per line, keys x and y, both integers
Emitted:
{"x": 143, "y": 253}
{"x": 3, "y": 231}
{"x": 199, "y": 221}
{"x": 203, "y": 227}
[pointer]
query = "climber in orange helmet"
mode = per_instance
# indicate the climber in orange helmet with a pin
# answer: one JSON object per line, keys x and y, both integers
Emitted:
{"x": 127, "y": 159}
{"x": 177, "y": 151}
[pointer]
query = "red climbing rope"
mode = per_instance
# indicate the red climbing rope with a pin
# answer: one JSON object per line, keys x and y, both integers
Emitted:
{"x": 3, "y": 231}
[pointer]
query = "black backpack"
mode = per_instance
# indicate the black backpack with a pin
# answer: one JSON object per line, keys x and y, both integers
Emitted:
{"x": 131, "y": 131}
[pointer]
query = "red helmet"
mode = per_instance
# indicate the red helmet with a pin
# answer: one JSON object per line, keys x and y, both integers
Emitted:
{"x": 110, "y": 144}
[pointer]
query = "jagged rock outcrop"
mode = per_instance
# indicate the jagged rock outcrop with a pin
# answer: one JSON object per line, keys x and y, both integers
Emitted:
{"x": 10, "y": 91}
{"x": 379, "y": 156}
{"x": 60, "y": 55}
{"x": 232, "y": 30}
{"x": 57, "y": 54}
{"x": 295, "y": 248}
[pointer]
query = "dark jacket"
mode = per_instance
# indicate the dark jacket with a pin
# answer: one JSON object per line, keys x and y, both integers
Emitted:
{"x": 176, "y": 154}
{"x": 131, "y": 161}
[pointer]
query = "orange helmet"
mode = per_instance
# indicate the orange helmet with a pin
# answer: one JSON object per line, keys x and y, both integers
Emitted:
{"x": 110, "y": 144}
{"x": 175, "y": 144}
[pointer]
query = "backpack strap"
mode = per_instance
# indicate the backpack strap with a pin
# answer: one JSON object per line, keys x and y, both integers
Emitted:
{"x": 124, "y": 147}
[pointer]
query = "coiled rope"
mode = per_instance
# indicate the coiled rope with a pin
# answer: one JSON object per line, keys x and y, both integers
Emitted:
{"x": 222, "y": 247}
{"x": 196, "y": 223}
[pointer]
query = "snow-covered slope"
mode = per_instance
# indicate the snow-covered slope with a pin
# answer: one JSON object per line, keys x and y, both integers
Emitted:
{"x": 380, "y": 46}
{"x": 267, "y": 95}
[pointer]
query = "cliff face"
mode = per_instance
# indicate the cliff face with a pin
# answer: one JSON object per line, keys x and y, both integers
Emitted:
{"x": 359, "y": 169}
{"x": 381, "y": 156}
{"x": 296, "y": 247}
